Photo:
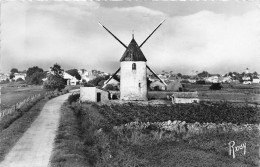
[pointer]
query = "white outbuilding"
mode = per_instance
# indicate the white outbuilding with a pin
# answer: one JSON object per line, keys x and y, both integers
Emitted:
{"x": 93, "y": 94}
{"x": 185, "y": 97}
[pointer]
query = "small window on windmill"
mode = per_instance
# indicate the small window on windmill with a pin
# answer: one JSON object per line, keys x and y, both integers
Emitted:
{"x": 133, "y": 66}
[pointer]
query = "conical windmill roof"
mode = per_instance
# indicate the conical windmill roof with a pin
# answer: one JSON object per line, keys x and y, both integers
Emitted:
{"x": 133, "y": 53}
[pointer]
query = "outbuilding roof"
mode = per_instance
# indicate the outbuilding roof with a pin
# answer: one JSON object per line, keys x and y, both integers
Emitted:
{"x": 185, "y": 94}
{"x": 133, "y": 53}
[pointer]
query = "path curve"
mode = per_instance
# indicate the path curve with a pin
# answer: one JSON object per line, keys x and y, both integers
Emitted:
{"x": 35, "y": 146}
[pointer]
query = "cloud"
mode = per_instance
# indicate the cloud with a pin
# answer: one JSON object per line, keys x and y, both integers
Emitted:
{"x": 209, "y": 41}
{"x": 139, "y": 10}
{"x": 68, "y": 33}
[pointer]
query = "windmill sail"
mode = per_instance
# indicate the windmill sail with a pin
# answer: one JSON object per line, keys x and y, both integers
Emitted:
{"x": 111, "y": 78}
{"x": 156, "y": 75}
{"x": 151, "y": 34}
{"x": 113, "y": 35}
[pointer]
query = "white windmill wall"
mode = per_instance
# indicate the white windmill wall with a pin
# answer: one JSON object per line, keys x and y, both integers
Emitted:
{"x": 133, "y": 83}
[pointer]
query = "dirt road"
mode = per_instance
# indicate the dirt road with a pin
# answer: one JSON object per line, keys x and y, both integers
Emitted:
{"x": 35, "y": 146}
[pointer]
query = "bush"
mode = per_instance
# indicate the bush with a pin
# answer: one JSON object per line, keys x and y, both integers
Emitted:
{"x": 215, "y": 86}
{"x": 73, "y": 98}
{"x": 111, "y": 87}
{"x": 88, "y": 85}
{"x": 19, "y": 79}
{"x": 54, "y": 82}
{"x": 201, "y": 82}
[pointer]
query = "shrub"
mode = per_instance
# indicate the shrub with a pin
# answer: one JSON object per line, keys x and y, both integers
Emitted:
{"x": 215, "y": 86}
{"x": 73, "y": 98}
{"x": 88, "y": 85}
{"x": 54, "y": 82}
{"x": 19, "y": 79}
{"x": 201, "y": 82}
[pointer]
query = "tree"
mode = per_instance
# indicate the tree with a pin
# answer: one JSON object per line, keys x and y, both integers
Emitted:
{"x": 179, "y": 75}
{"x": 55, "y": 79}
{"x": 97, "y": 80}
{"x": 11, "y": 76}
{"x": 14, "y": 70}
{"x": 36, "y": 78}
{"x": 215, "y": 86}
{"x": 56, "y": 69}
{"x": 32, "y": 70}
{"x": 19, "y": 80}
{"x": 74, "y": 73}
{"x": 88, "y": 85}
{"x": 111, "y": 87}
{"x": 34, "y": 75}
{"x": 185, "y": 76}
{"x": 54, "y": 82}
{"x": 203, "y": 74}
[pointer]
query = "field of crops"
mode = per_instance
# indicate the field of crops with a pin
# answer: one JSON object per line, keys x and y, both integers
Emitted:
{"x": 178, "y": 135}
{"x": 204, "y": 112}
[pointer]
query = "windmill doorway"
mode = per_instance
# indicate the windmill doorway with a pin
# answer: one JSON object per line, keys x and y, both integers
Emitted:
{"x": 98, "y": 97}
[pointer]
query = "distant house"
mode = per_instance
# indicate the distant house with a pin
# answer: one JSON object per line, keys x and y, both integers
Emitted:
{"x": 212, "y": 79}
{"x": 174, "y": 86}
{"x": 227, "y": 79}
{"x": 19, "y": 75}
{"x": 153, "y": 78}
{"x": 256, "y": 80}
{"x": 93, "y": 94}
{"x": 71, "y": 80}
{"x": 4, "y": 77}
{"x": 192, "y": 80}
{"x": 247, "y": 82}
{"x": 185, "y": 97}
{"x": 246, "y": 78}
{"x": 113, "y": 82}
{"x": 172, "y": 78}
{"x": 157, "y": 85}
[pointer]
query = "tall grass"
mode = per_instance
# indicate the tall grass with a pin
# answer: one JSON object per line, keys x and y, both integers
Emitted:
{"x": 69, "y": 147}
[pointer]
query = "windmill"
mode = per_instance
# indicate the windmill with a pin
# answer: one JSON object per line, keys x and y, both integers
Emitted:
{"x": 133, "y": 67}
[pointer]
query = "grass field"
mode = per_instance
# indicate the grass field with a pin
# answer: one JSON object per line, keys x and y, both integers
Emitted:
{"x": 13, "y": 95}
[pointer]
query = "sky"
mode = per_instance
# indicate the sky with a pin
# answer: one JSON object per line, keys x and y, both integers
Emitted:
{"x": 214, "y": 36}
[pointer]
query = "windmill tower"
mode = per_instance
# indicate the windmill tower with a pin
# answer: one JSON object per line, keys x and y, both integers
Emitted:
{"x": 133, "y": 78}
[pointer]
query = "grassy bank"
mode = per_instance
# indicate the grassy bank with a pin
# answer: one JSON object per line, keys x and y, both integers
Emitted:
{"x": 69, "y": 147}
{"x": 14, "y": 125}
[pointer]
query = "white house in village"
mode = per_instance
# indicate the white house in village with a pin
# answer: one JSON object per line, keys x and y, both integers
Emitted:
{"x": 3, "y": 77}
{"x": 19, "y": 75}
{"x": 256, "y": 80}
{"x": 192, "y": 80}
{"x": 157, "y": 85}
{"x": 93, "y": 94}
{"x": 113, "y": 82}
{"x": 185, "y": 97}
{"x": 71, "y": 80}
{"x": 212, "y": 79}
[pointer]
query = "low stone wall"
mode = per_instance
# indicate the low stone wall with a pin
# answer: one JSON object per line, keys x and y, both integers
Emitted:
{"x": 189, "y": 129}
